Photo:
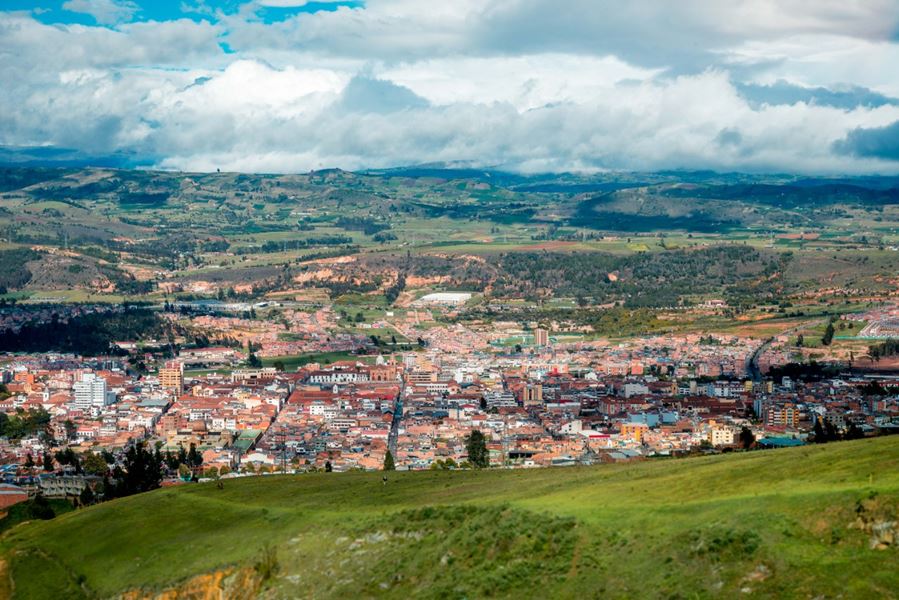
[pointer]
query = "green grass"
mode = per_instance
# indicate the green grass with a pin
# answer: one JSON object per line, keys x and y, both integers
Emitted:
{"x": 762, "y": 524}
{"x": 24, "y": 511}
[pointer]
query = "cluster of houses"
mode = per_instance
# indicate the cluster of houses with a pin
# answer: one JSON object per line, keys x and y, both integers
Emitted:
{"x": 548, "y": 407}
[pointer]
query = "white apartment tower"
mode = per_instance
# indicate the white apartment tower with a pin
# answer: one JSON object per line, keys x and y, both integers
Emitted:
{"x": 91, "y": 392}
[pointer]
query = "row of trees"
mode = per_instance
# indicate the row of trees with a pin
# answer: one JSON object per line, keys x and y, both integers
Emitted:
{"x": 475, "y": 445}
{"x": 89, "y": 334}
{"x": 639, "y": 280}
{"x": 825, "y": 432}
{"x": 884, "y": 349}
{"x": 24, "y": 423}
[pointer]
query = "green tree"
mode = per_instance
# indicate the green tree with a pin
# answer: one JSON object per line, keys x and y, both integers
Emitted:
{"x": 142, "y": 470}
{"x": 71, "y": 429}
{"x": 818, "y": 432}
{"x": 476, "y": 444}
{"x": 747, "y": 438}
{"x": 48, "y": 462}
{"x": 827, "y": 338}
{"x": 87, "y": 496}
{"x": 854, "y": 432}
{"x": 69, "y": 457}
{"x": 94, "y": 464}
{"x": 388, "y": 462}
{"x": 194, "y": 458}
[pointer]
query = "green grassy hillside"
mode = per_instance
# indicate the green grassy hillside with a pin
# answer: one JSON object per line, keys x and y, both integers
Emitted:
{"x": 788, "y": 523}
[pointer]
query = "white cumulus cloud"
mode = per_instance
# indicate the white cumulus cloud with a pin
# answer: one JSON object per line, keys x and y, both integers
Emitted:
{"x": 105, "y": 12}
{"x": 519, "y": 84}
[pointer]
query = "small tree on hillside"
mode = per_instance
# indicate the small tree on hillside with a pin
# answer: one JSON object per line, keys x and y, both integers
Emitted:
{"x": 388, "y": 462}
{"x": 747, "y": 438}
{"x": 827, "y": 338}
{"x": 476, "y": 444}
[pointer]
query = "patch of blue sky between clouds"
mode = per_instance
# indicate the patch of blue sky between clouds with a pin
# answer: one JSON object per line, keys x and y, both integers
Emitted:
{"x": 52, "y": 12}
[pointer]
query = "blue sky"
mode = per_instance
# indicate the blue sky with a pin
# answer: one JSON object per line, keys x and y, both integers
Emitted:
{"x": 527, "y": 85}
{"x": 56, "y": 11}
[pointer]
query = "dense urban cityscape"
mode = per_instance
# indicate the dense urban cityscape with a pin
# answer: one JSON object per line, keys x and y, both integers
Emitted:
{"x": 456, "y": 300}
{"x": 538, "y": 399}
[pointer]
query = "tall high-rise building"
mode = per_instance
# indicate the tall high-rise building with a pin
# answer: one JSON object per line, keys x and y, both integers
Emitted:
{"x": 541, "y": 337}
{"x": 171, "y": 376}
{"x": 91, "y": 393}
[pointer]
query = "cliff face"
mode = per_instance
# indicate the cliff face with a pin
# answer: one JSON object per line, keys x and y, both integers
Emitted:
{"x": 227, "y": 584}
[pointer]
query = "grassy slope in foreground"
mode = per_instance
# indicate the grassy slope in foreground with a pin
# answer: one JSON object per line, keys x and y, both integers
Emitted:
{"x": 764, "y": 523}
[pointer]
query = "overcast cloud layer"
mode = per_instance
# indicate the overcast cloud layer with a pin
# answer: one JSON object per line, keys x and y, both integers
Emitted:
{"x": 806, "y": 86}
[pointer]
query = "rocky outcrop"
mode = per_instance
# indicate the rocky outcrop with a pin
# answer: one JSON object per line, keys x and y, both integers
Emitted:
{"x": 227, "y": 584}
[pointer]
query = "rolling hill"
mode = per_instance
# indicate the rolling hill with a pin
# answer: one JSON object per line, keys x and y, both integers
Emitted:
{"x": 808, "y": 522}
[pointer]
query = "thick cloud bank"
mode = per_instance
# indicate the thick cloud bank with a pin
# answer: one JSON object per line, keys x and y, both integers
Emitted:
{"x": 517, "y": 84}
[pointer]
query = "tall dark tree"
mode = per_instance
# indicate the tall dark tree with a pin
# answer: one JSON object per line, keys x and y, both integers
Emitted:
{"x": 71, "y": 429}
{"x": 476, "y": 444}
{"x": 87, "y": 496}
{"x": 820, "y": 436}
{"x": 69, "y": 457}
{"x": 854, "y": 432}
{"x": 747, "y": 438}
{"x": 48, "y": 462}
{"x": 389, "y": 465}
{"x": 194, "y": 457}
{"x": 827, "y": 338}
{"x": 142, "y": 470}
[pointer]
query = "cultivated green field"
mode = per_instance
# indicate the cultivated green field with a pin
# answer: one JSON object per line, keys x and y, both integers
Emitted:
{"x": 787, "y": 523}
